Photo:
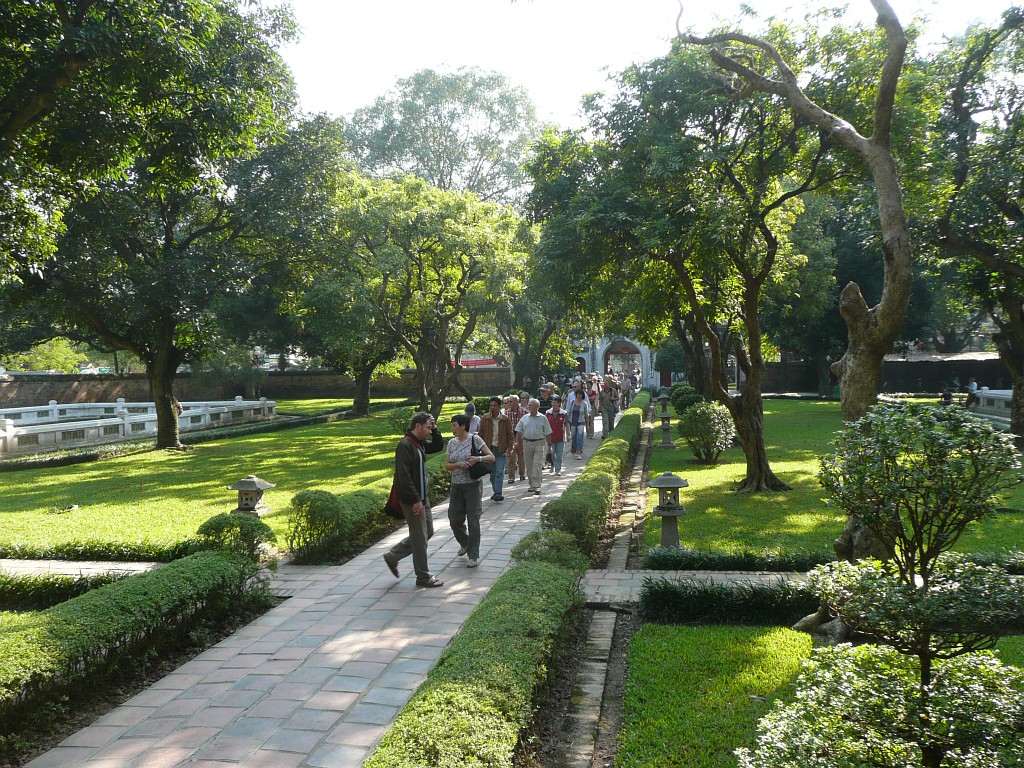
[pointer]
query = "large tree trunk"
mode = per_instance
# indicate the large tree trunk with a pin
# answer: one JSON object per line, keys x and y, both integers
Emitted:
{"x": 750, "y": 430}
{"x": 1009, "y": 341}
{"x": 361, "y": 402}
{"x": 162, "y": 371}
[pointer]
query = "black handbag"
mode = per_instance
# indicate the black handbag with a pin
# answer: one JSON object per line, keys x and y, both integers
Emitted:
{"x": 480, "y": 469}
{"x": 393, "y": 508}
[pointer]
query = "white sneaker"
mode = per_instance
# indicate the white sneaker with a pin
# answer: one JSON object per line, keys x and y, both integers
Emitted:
{"x": 471, "y": 564}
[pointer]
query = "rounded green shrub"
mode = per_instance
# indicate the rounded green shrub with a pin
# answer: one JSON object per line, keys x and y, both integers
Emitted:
{"x": 708, "y": 430}
{"x": 682, "y": 396}
{"x": 555, "y": 547}
{"x": 314, "y": 517}
{"x": 239, "y": 533}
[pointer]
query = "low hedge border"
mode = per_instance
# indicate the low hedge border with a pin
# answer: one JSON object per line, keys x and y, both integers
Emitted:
{"x": 481, "y": 694}
{"x": 50, "y": 654}
{"x": 750, "y": 604}
{"x": 122, "y": 552}
{"x": 38, "y": 592}
{"x": 672, "y": 559}
{"x": 583, "y": 507}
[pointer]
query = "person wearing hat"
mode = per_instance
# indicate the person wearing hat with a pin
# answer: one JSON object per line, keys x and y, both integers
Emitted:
{"x": 559, "y": 434}
{"x": 544, "y": 398}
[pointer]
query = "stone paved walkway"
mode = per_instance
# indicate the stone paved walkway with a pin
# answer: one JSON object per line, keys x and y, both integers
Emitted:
{"x": 315, "y": 681}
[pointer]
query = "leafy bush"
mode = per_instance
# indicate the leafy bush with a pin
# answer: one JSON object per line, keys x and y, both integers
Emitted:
{"x": 915, "y": 476}
{"x": 36, "y": 592}
{"x": 862, "y": 706}
{"x": 555, "y": 547}
{"x": 676, "y": 559}
{"x": 315, "y": 517}
{"x": 400, "y": 418}
{"x": 749, "y": 603}
{"x": 239, "y": 533}
{"x": 481, "y": 693}
{"x": 682, "y": 396}
{"x": 47, "y": 654}
{"x": 708, "y": 429}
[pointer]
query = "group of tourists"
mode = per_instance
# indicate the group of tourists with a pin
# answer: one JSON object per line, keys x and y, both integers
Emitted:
{"x": 519, "y": 434}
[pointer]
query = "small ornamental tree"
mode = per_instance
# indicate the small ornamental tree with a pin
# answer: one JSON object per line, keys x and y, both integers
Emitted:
{"x": 708, "y": 429}
{"x": 925, "y": 690}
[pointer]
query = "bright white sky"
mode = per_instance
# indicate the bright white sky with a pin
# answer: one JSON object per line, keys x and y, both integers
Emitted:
{"x": 353, "y": 51}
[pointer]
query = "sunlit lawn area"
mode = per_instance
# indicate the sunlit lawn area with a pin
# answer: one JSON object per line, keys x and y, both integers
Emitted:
{"x": 164, "y": 496}
{"x": 797, "y": 434}
{"x": 695, "y": 694}
{"x": 328, "y": 405}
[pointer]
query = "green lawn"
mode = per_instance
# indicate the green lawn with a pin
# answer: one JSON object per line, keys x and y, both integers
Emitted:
{"x": 162, "y": 496}
{"x": 797, "y": 434}
{"x": 328, "y": 405}
{"x": 694, "y": 694}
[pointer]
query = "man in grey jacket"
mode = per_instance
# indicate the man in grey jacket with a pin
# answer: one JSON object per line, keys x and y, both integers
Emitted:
{"x": 410, "y": 484}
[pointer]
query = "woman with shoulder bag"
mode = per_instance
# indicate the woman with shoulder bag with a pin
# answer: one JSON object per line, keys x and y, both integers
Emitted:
{"x": 464, "y": 501}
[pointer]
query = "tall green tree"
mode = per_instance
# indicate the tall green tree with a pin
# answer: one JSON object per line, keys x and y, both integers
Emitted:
{"x": 707, "y": 186}
{"x": 431, "y": 261}
{"x": 143, "y": 262}
{"x": 755, "y": 65}
{"x": 979, "y": 181}
{"x": 86, "y": 86}
{"x": 465, "y": 130}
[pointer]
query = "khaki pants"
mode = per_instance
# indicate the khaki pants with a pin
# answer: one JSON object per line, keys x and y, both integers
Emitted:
{"x": 533, "y": 454}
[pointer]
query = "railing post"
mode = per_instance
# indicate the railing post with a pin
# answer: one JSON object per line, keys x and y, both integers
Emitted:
{"x": 6, "y": 435}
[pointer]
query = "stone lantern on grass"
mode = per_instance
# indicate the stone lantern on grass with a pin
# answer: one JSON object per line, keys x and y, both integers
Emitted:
{"x": 250, "y": 495}
{"x": 666, "y": 424}
{"x": 669, "y": 509}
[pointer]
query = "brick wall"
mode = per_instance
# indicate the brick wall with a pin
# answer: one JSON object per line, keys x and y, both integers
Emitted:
{"x": 25, "y": 390}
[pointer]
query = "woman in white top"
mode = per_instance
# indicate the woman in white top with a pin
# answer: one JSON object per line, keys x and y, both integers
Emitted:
{"x": 464, "y": 498}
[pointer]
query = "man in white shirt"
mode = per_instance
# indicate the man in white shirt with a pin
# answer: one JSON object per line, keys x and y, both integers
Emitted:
{"x": 533, "y": 433}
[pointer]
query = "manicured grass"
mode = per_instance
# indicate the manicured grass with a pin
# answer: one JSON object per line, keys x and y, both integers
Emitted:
{"x": 328, "y": 405}
{"x": 797, "y": 433}
{"x": 163, "y": 496}
{"x": 694, "y": 694}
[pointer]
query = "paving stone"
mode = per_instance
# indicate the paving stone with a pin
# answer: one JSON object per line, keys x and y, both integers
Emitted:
{"x": 339, "y": 756}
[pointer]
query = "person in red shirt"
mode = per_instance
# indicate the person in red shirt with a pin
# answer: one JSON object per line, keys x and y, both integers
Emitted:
{"x": 559, "y": 434}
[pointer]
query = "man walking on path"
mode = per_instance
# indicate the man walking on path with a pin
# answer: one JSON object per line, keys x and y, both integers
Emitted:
{"x": 496, "y": 431}
{"x": 515, "y": 457}
{"x": 410, "y": 484}
{"x": 533, "y": 433}
{"x": 609, "y": 405}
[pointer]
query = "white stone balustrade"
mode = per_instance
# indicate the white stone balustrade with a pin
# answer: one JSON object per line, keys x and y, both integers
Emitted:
{"x": 994, "y": 405}
{"x": 24, "y": 430}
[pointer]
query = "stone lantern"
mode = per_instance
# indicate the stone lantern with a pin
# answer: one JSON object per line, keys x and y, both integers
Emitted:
{"x": 666, "y": 424}
{"x": 250, "y": 495}
{"x": 669, "y": 509}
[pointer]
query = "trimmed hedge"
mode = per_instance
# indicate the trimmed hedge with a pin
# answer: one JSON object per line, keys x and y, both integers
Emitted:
{"x": 683, "y": 559}
{"x": 47, "y": 654}
{"x": 36, "y": 592}
{"x": 123, "y": 552}
{"x": 750, "y": 604}
{"x": 584, "y": 506}
{"x": 480, "y": 695}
